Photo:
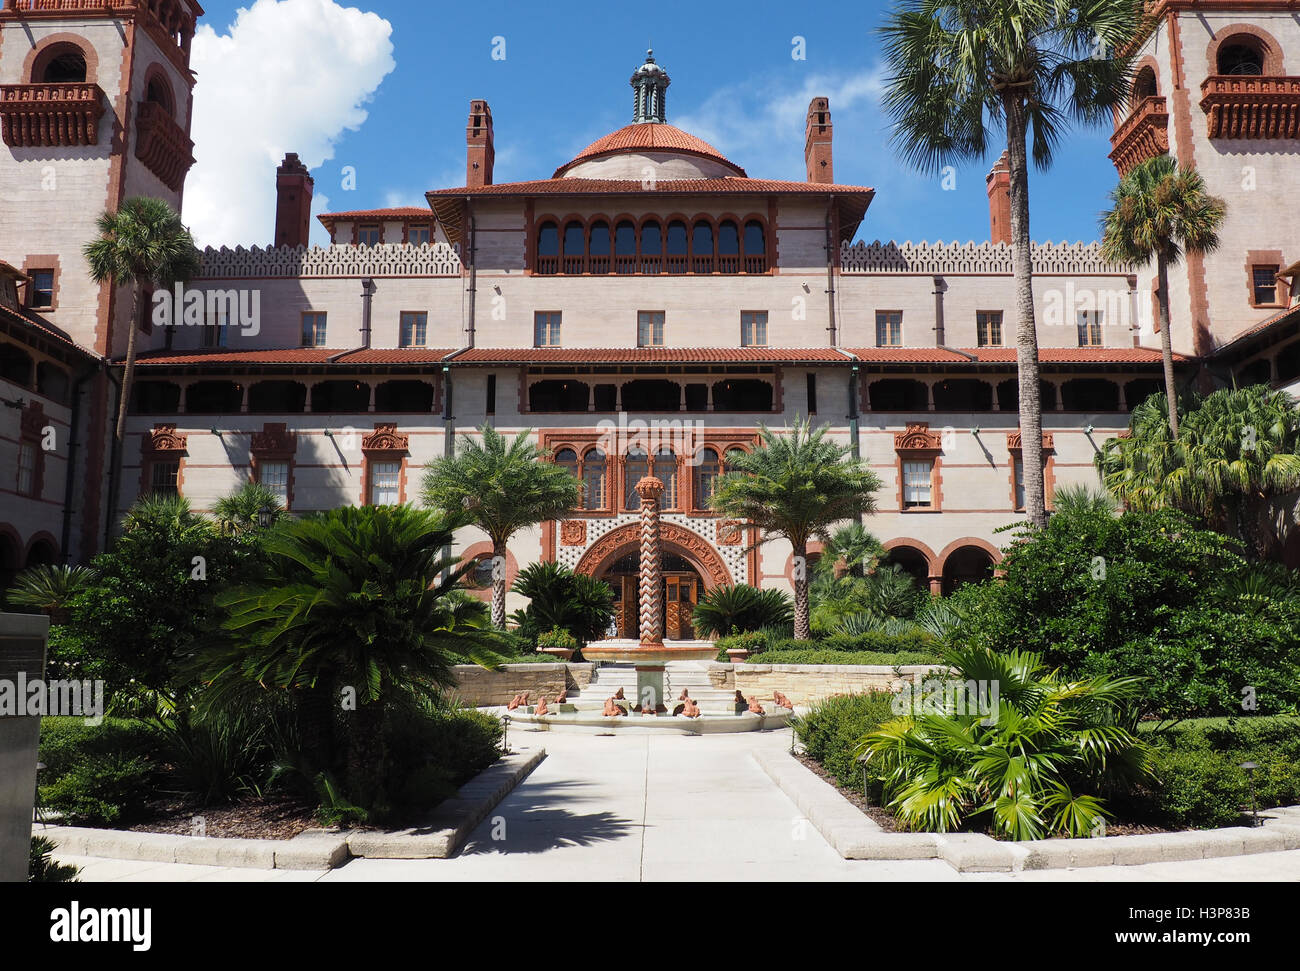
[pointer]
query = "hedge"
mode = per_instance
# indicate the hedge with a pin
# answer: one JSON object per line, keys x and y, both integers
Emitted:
{"x": 832, "y": 728}
{"x": 820, "y": 656}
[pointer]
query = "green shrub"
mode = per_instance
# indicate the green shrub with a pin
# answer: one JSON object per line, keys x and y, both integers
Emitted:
{"x": 42, "y": 868}
{"x": 739, "y": 608}
{"x": 878, "y": 641}
{"x": 557, "y": 637}
{"x": 108, "y": 790}
{"x": 1200, "y": 783}
{"x": 819, "y": 656}
{"x": 432, "y": 752}
{"x": 832, "y": 728}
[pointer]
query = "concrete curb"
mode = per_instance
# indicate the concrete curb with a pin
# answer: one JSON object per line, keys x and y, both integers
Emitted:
{"x": 315, "y": 849}
{"x": 855, "y": 836}
{"x": 453, "y": 820}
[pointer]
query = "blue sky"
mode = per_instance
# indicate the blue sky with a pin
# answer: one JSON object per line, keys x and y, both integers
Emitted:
{"x": 395, "y": 110}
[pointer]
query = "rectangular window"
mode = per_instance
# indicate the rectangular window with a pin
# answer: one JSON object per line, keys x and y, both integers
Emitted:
{"x": 42, "y": 289}
{"x": 163, "y": 478}
{"x": 490, "y": 407}
{"x": 414, "y": 328}
{"x": 812, "y": 394}
{"x": 216, "y": 332}
{"x": 275, "y": 476}
{"x": 313, "y": 329}
{"x": 385, "y": 483}
{"x": 418, "y": 235}
{"x": 1264, "y": 284}
{"x": 1018, "y": 469}
{"x": 26, "y": 469}
{"x": 650, "y": 328}
{"x": 1090, "y": 328}
{"x": 369, "y": 235}
{"x": 917, "y": 484}
{"x": 546, "y": 328}
{"x": 753, "y": 329}
{"x": 988, "y": 328}
{"x": 889, "y": 328}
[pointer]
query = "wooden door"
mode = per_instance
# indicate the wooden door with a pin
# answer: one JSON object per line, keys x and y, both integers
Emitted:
{"x": 628, "y": 609}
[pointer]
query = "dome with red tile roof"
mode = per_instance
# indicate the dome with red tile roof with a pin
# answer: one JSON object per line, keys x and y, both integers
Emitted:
{"x": 653, "y": 139}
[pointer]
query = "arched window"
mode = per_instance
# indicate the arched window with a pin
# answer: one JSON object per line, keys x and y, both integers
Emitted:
{"x": 160, "y": 94}
{"x": 1242, "y": 54}
{"x": 636, "y": 466}
{"x": 575, "y": 246}
{"x": 593, "y": 479}
{"x": 548, "y": 248}
{"x": 678, "y": 250}
{"x": 665, "y": 471}
{"x": 702, "y": 248}
{"x": 625, "y": 247}
{"x": 65, "y": 65}
{"x": 755, "y": 247}
{"x": 706, "y": 477}
{"x": 728, "y": 247}
{"x": 652, "y": 247}
{"x": 599, "y": 242}
{"x": 567, "y": 459}
{"x": 1144, "y": 85}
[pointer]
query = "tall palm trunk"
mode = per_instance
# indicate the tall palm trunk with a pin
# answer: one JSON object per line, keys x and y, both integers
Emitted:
{"x": 124, "y": 402}
{"x": 802, "y": 629}
{"x": 1031, "y": 412}
{"x": 499, "y": 586}
{"x": 1166, "y": 340}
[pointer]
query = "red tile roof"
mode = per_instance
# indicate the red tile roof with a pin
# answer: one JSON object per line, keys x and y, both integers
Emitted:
{"x": 396, "y": 355}
{"x": 650, "y": 136}
{"x": 727, "y": 185}
{"x": 1273, "y": 320}
{"x": 44, "y": 329}
{"x": 361, "y": 215}
{"x": 651, "y": 355}
{"x": 223, "y": 355}
{"x": 1007, "y": 355}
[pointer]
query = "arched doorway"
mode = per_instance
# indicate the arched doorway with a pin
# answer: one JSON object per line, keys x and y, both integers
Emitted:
{"x": 10, "y": 560}
{"x": 966, "y": 564}
{"x": 682, "y": 586}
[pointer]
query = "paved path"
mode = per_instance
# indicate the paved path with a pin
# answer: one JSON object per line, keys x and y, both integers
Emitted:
{"x": 662, "y": 808}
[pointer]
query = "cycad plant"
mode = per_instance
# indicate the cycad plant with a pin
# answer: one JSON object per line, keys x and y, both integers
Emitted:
{"x": 50, "y": 589}
{"x": 796, "y": 486}
{"x": 240, "y": 513}
{"x": 502, "y": 485}
{"x": 740, "y": 608}
{"x": 1160, "y": 212}
{"x": 559, "y": 597}
{"x": 1010, "y": 745}
{"x": 961, "y": 71}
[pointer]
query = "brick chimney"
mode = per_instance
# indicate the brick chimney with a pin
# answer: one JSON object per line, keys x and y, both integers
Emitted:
{"x": 817, "y": 142}
{"x": 999, "y": 188}
{"x": 479, "y": 150}
{"x": 293, "y": 190}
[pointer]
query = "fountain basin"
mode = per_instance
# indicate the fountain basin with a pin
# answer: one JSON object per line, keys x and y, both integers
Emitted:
{"x": 591, "y": 722}
{"x": 634, "y": 652}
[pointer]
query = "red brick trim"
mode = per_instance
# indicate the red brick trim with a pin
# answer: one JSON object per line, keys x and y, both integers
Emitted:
{"x": 385, "y": 444}
{"x": 1282, "y": 289}
{"x": 162, "y": 444}
{"x": 941, "y": 560}
{"x": 1271, "y": 49}
{"x": 1015, "y": 449}
{"x": 31, "y": 427}
{"x": 31, "y": 264}
{"x": 42, "y": 537}
{"x": 51, "y": 46}
{"x": 274, "y": 443}
{"x": 484, "y": 548}
{"x": 918, "y": 444}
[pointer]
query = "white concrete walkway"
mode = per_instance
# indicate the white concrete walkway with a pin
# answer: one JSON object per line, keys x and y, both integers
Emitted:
{"x": 661, "y": 808}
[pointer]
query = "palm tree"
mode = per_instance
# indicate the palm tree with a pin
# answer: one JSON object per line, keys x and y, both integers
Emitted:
{"x": 1235, "y": 464}
{"x": 358, "y": 598}
{"x": 503, "y": 486}
{"x": 796, "y": 486}
{"x": 141, "y": 245}
{"x": 50, "y": 589}
{"x": 241, "y": 511}
{"x": 1161, "y": 211}
{"x": 858, "y": 548}
{"x": 965, "y": 68}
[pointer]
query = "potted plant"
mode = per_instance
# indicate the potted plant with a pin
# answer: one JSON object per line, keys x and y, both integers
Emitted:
{"x": 741, "y": 646}
{"x": 558, "y": 643}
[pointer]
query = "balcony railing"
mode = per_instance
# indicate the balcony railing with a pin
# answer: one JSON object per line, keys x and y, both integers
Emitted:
{"x": 1143, "y": 134}
{"x": 652, "y": 264}
{"x": 1251, "y": 106}
{"x": 161, "y": 144}
{"x": 49, "y": 115}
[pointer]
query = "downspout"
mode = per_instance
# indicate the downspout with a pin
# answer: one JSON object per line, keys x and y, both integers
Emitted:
{"x": 854, "y": 368}
{"x": 830, "y": 269}
{"x": 114, "y": 473}
{"x": 70, "y": 475}
{"x": 367, "y": 306}
{"x": 938, "y": 311}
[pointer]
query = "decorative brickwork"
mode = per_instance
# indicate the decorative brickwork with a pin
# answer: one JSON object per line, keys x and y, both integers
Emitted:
{"x": 1244, "y": 106}
{"x": 892, "y": 257}
{"x": 650, "y": 490}
{"x": 1143, "y": 135}
{"x": 161, "y": 144}
{"x": 384, "y": 260}
{"x": 573, "y": 532}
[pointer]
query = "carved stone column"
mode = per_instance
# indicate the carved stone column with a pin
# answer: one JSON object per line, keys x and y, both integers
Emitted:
{"x": 650, "y": 489}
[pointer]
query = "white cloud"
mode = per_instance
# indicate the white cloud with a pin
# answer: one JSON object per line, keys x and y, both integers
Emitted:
{"x": 288, "y": 76}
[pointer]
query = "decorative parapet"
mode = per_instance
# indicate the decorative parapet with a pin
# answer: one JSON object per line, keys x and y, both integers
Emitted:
{"x": 49, "y": 115}
{"x": 1142, "y": 135}
{"x": 384, "y": 260}
{"x": 972, "y": 257}
{"x": 162, "y": 145}
{"x": 1246, "y": 106}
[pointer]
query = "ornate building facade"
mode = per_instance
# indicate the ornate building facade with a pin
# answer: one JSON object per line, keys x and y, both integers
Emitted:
{"x": 645, "y": 308}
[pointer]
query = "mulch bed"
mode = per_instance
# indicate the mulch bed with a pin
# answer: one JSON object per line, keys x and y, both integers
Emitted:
{"x": 273, "y": 817}
{"x": 887, "y": 822}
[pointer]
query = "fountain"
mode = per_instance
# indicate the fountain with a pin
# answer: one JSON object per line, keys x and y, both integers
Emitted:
{"x": 650, "y": 656}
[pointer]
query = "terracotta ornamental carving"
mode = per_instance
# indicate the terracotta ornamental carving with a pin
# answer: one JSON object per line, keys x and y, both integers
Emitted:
{"x": 573, "y": 532}
{"x": 385, "y": 439}
{"x": 650, "y": 489}
{"x": 917, "y": 438}
{"x": 1013, "y": 441}
{"x": 163, "y": 438}
{"x": 695, "y": 546}
{"x": 729, "y": 532}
